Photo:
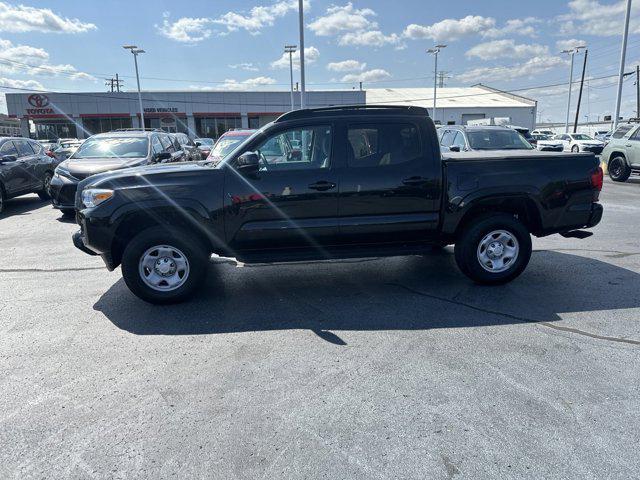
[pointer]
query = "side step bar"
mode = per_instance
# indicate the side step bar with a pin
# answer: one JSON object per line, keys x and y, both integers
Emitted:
{"x": 576, "y": 234}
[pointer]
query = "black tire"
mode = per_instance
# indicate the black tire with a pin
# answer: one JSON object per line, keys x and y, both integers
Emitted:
{"x": 575, "y": 149}
{"x": 467, "y": 248}
{"x": 618, "y": 169}
{"x": 196, "y": 255}
{"x": 45, "y": 193}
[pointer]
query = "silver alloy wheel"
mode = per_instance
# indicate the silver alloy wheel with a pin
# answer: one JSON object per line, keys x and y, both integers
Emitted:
{"x": 163, "y": 268}
{"x": 498, "y": 251}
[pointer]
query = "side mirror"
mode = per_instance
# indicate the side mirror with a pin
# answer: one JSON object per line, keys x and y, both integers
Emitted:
{"x": 454, "y": 148}
{"x": 248, "y": 162}
{"x": 198, "y": 144}
{"x": 162, "y": 156}
{"x": 8, "y": 158}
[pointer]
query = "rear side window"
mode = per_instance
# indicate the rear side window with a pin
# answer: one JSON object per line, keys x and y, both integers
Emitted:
{"x": 167, "y": 143}
{"x": 156, "y": 146}
{"x": 8, "y": 148}
{"x": 622, "y": 131}
{"x": 382, "y": 144}
{"x": 24, "y": 149}
{"x": 636, "y": 135}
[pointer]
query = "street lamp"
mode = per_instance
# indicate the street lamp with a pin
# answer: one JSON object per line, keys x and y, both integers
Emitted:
{"x": 572, "y": 52}
{"x": 435, "y": 51}
{"x": 303, "y": 101}
{"x": 137, "y": 51}
{"x": 291, "y": 49}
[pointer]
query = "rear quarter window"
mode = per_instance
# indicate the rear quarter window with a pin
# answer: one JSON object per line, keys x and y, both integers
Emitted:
{"x": 621, "y": 131}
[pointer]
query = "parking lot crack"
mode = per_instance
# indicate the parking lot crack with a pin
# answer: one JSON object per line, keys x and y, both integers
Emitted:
{"x": 517, "y": 317}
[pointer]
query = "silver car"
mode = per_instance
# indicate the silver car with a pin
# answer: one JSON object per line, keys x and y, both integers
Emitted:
{"x": 622, "y": 153}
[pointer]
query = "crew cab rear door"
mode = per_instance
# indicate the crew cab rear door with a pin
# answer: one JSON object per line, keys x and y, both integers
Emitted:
{"x": 390, "y": 184}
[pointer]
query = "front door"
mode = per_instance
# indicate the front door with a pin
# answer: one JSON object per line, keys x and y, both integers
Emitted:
{"x": 633, "y": 149}
{"x": 390, "y": 188}
{"x": 292, "y": 200}
{"x": 29, "y": 161}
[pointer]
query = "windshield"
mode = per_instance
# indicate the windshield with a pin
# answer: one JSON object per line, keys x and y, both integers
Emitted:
{"x": 205, "y": 141}
{"x": 226, "y": 145}
{"x": 497, "y": 140}
{"x": 581, "y": 136}
{"x": 541, "y": 137}
{"x": 113, "y": 147}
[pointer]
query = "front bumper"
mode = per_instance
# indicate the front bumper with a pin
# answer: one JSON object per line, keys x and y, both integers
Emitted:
{"x": 550, "y": 148}
{"x": 596, "y": 150}
{"x": 63, "y": 191}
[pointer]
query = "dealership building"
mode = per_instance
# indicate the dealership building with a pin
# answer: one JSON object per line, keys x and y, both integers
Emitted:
{"x": 53, "y": 115}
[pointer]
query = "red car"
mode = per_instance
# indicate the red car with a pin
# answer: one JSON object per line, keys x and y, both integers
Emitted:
{"x": 227, "y": 142}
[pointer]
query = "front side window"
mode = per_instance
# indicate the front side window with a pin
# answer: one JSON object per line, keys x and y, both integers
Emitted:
{"x": 298, "y": 148}
{"x": 37, "y": 148}
{"x": 622, "y": 131}
{"x": 581, "y": 136}
{"x": 24, "y": 149}
{"x": 447, "y": 138}
{"x": 636, "y": 135}
{"x": 458, "y": 141}
{"x": 382, "y": 144}
{"x": 113, "y": 147}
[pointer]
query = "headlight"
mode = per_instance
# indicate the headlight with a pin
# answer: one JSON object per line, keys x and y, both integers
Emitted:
{"x": 92, "y": 197}
{"x": 62, "y": 170}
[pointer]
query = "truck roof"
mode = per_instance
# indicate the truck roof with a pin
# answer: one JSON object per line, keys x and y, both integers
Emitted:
{"x": 353, "y": 110}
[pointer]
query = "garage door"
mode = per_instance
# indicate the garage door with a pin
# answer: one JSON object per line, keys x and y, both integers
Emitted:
{"x": 471, "y": 116}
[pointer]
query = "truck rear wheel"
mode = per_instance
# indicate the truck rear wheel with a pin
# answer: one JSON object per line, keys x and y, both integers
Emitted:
{"x": 493, "y": 249}
{"x": 164, "y": 266}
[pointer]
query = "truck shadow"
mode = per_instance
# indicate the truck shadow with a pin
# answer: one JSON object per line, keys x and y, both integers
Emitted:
{"x": 401, "y": 293}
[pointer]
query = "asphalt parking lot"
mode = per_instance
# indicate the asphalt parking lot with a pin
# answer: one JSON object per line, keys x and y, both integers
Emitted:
{"x": 374, "y": 368}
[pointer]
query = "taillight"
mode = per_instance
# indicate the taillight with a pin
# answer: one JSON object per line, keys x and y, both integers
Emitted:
{"x": 597, "y": 178}
{"x": 50, "y": 153}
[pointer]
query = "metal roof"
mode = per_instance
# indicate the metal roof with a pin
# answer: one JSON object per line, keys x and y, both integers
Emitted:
{"x": 447, "y": 97}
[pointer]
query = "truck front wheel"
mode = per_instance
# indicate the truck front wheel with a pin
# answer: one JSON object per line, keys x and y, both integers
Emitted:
{"x": 493, "y": 249}
{"x": 164, "y": 266}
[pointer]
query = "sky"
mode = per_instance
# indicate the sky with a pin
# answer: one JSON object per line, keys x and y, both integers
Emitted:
{"x": 65, "y": 45}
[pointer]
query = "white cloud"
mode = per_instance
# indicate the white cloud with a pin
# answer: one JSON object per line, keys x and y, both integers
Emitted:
{"x": 185, "y": 29}
{"x": 375, "y": 75}
{"x": 257, "y": 18}
{"x": 373, "y": 38}
{"x": 18, "y": 84}
{"x": 248, "y": 66}
{"x": 530, "y": 68}
{"x": 34, "y": 61}
{"x": 235, "y": 85}
{"x": 516, "y": 26}
{"x": 569, "y": 44}
{"x": 450, "y": 29}
{"x": 22, "y": 18}
{"x": 346, "y": 66}
{"x": 591, "y": 17}
{"x": 506, "y": 49}
{"x": 343, "y": 19}
{"x": 311, "y": 55}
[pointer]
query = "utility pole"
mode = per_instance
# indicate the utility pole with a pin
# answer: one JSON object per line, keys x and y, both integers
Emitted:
{"x": 435, "y": 51}
{"x": 303, "y": 102}
{"x": 442, "y": 76}
{"x": 118, "y": 82}
{"x": 584, "y": 67}
{"x": 571, "y": 52}
{"x": 291, "y": 49}
{"x": 637, "y": 91}
{"x": 114, "y": 83}
{"x": 623, "y": 54}
{"x": 137, "y": 51}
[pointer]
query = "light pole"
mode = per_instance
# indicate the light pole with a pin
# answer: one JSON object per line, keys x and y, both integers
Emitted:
{"x": 137, "y": 51}
{"x": 623, "y": 53}
{"x": 435, "y": 50}
{"x": 572, "y": 52}
{"x": 291, "y": 49}
{"x": 302, "y": 83}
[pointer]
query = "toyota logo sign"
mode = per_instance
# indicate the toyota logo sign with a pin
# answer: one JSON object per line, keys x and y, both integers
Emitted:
{"x": 38, "y": 101}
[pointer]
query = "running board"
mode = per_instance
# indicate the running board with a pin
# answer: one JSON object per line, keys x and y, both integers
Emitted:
{"x": 576, "y": 234}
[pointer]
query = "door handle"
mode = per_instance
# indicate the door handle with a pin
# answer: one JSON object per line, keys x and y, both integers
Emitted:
{"x": 414, "y": 181}
{"x": 322, "y": 186}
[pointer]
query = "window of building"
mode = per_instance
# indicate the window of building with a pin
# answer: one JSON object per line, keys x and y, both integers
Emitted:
{"x": 382, "y": 144}
{"x": 106, "y": 124}
{"x": 54, "y": 129}
{"x": 214, "y": 127}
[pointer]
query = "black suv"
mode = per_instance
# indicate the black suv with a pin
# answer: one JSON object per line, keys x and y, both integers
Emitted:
{"x": 191, "y": 150}
{"x": 462, "y": 138}
{"x": 24, "y": 168}
{"x": 106, "y": 152}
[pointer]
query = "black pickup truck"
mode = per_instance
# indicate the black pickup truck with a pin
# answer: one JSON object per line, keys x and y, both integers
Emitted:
{"x": 329, "y": 183}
